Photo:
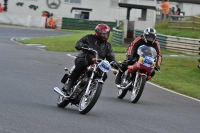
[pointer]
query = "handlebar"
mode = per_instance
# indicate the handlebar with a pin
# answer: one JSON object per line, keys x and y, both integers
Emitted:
{"x": 91, "y": 49}
{"x": 115, "y": 64}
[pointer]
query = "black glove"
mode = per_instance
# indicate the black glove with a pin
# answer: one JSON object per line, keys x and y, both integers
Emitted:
{"x": 114, "y": 65}
{"x": 157, "y": 68}
{"x": 131, "y": 61}
{"x": 84, "y": 46}
{"x": 118, "y": 66}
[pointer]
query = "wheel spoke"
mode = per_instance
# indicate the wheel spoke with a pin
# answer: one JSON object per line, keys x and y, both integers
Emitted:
{"x": 60, "y": 99}
{"x": 120, "y": 91}
{"x": 136, "y": 89}
{"x": 87, "y": 99}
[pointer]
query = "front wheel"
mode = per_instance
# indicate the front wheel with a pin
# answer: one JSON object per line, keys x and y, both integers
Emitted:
{"x": 137, "y": 91}
{"x": 87, "y": 102}
{"x": 62, "y": 103}
{"x": 121, "y": 93}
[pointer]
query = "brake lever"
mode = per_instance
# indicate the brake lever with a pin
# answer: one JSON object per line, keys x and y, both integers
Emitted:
{"x": 88, "y": 49}
{"x": 158, "y": 70}
{"x": 84, "y": 48}
{"x": 119, "y": 68}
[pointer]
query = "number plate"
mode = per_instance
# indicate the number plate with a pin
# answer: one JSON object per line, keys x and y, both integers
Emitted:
{"x": 104, "y": 66}
{"x": 148, "y": 61}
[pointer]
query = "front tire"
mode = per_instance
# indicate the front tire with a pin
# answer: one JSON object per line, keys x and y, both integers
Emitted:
{"x": 121, "y": 93}
{"x": 137, "y": 91}
{"x": 86, "y": 104}
{"x": 62, "y": 103}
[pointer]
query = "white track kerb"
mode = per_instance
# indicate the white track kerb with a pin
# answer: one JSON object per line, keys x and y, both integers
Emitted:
{"x": 13, "y": 40}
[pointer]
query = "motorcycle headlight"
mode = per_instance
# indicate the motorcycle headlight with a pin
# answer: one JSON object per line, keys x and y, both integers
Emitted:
{"x": 105, "y": 66}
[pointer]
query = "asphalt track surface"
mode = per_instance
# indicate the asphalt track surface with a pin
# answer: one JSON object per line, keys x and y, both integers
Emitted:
{"x": 28, "y": 102}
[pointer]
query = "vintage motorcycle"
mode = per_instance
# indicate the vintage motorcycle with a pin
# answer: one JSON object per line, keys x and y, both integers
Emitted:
{"x": 87, "y": 89}
{"x": 135, "y": 77}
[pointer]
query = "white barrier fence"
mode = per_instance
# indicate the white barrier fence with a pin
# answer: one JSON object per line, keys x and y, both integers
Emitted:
{"x": 58, "y": 20}
{"x": 181, "y": 44}
{"x": 23, "y": 20}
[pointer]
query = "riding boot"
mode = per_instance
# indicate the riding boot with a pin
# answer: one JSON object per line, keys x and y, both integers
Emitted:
{"x": 151, "y": 75}
{"x": 118, "y": 78}
{"x": 69, "y": 85}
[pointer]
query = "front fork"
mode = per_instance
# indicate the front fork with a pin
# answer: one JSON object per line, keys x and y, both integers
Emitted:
{"x": 90, "y": 81}
{"x": 138, "y": 74}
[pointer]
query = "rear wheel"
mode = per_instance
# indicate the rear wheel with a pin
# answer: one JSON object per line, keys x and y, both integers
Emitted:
{"x": 137, "y": 91}
{"x": 87, "y": 102}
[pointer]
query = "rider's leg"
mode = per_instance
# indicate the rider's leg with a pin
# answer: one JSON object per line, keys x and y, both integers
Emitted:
{"x": 80, "y": 65}
{"x": 118, "y": 77}
{"x": 105, "y": 76}
{"x": 151, "y": 75}
{"x": 124, "y": 68}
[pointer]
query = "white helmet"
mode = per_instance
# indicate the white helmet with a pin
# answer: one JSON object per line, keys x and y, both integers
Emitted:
{"x": 149, "y": 35}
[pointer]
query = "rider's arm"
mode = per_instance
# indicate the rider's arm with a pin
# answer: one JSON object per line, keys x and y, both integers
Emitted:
{"x": 132, "y": 49}
{"x": 83, "y": 41}
{"x": 158, "y": 52}
{"x": 110, "y": 54}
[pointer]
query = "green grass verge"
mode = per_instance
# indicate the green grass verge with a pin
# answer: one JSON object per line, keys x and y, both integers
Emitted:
{"x": 66, "y": 43}
{"x": 162, "y": 28}
{"x": 178, "y": 74}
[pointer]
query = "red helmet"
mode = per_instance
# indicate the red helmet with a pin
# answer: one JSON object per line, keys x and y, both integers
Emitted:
{"x": 102, "y": 31}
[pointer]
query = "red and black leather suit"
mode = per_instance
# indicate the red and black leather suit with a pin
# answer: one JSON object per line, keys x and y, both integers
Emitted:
{"x": 132, "y": 53}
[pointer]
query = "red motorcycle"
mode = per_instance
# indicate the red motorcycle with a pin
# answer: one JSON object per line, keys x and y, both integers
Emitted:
{"x": 135, "y": 77}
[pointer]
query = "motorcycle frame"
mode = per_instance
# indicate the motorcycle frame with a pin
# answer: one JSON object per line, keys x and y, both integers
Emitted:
{"x": 140, "y": 70}
{"x": 138, "y": 66}
{"x": 95, "y": 66}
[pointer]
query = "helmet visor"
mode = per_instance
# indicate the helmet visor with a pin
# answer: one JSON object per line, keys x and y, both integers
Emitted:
{"x": 150, "y": 37}
{"x": 104, "y": 34}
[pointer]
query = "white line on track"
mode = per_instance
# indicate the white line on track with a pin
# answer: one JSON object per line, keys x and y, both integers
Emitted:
{"x": 41, "y": 49}
{"x": 13, "y": 40}
{"x": 71, "y": 55}
{"x": 158, "y": 86}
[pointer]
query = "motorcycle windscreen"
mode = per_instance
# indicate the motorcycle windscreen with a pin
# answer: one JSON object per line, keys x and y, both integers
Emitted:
{"x": 145, "y": 50}
{"x": 147, "y": 55}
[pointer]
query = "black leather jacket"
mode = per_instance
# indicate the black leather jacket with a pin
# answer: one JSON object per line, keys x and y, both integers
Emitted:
{"x": 104, "y": 49}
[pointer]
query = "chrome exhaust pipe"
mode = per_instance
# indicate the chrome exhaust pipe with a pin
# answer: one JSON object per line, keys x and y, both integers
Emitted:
{"x": 123, "y": 88}
{"x": 57, "y": 90}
